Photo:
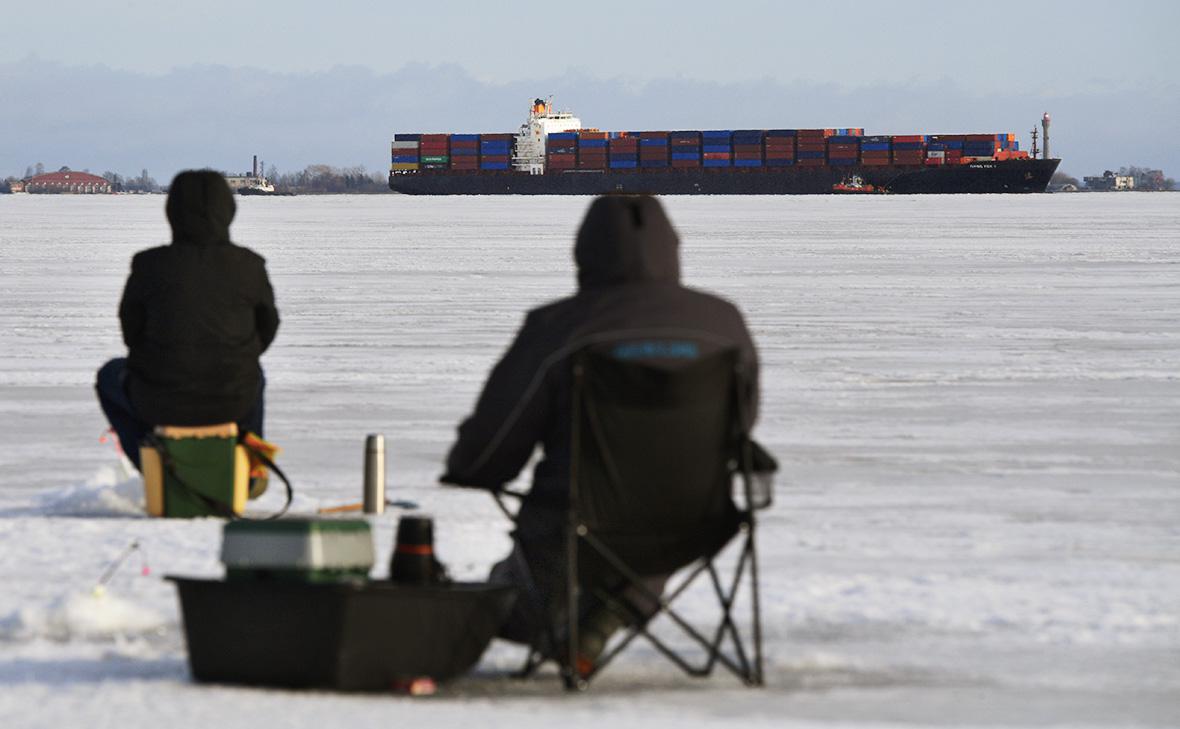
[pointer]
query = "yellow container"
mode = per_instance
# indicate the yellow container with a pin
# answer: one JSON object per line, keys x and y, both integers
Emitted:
{"x": 204, "y": 460}
{"x": 405, "y": 166}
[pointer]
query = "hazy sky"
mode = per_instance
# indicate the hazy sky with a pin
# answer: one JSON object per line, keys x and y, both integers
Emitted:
{"x": 996, "y": 55}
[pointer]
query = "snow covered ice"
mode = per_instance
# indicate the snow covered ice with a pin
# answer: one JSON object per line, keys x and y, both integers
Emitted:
{"x": 973, "y": 398}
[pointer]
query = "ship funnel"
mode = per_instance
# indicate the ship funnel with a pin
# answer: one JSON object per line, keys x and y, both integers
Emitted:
{"x": 254, "y": 168}
{"x": 1045, "y": 137}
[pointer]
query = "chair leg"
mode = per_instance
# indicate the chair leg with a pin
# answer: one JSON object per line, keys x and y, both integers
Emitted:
{"x": 740, "y": 664}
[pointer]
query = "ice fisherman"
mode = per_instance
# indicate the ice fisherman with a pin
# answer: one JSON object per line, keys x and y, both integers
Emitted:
{"x": 196, "y": 315}
{"x": 629, "y": 293}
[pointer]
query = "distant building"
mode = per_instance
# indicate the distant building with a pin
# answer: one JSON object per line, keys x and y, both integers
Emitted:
{"x": 66, "y": 181}
{"x": 16, "y": 186}
{"x": 1110, "y": 181}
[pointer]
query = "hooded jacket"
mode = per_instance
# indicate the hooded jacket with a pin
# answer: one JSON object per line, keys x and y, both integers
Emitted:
{"x": 629, "y": 293}
{"x": 197, "y": 314}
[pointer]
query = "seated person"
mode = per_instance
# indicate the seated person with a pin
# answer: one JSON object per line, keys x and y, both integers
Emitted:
{"x": 628, "y": 291}
{"x": 196, "y": 315}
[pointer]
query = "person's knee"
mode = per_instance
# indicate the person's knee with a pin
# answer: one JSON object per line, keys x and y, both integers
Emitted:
{"x": 110, "y": 375}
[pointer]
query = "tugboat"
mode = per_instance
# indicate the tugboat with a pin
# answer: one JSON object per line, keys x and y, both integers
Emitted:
{"x": 252, "y": 183}
{"x": 856, "y": 184}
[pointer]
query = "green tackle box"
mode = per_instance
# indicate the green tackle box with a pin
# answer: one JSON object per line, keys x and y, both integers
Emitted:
{"x": 300, "y": 550}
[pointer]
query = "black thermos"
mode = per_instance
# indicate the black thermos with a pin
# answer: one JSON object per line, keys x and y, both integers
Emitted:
{"x": 413, "y": 554}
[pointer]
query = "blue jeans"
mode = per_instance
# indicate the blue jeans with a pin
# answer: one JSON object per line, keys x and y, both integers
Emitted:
{"x": 111, "y": 386}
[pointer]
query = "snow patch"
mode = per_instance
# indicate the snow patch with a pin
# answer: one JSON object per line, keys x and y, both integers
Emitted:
{"x": 111, "y": 491}
{"x": 91, "y": 616}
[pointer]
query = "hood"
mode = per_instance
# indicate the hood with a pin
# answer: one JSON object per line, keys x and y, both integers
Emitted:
{"x": 200, "y": 207}
{"x": 626, "y": 238}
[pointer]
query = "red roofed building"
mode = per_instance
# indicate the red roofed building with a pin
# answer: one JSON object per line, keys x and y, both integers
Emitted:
{"x": 68, "y": 181}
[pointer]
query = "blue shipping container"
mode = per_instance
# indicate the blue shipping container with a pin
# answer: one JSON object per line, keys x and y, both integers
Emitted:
{"x": 779, "y": 162}
{"x": 407, "y": 137}
{"x": 717, "y": 148}
{"x": 874, "y": 146}
{"x": 678, "y": 155}
{"x": 715, "y": 163}
{"x": 747, "y": 163}
{"x": 405, "y": 158}
{"x": 590, "y": 143}
{"x": 781, "y": 133}
{"x": 563, "y": 135}
{"x": 464, "y": 137}
{"x": 842, "y": 162}
{"x": 653, "y": 142}
{"x": 623, "y": 164}
{"x": 810, "y": 155}
{"x": 493, "y": 165}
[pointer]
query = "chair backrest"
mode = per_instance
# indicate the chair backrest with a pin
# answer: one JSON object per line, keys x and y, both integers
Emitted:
{"x": 654, "y": 444}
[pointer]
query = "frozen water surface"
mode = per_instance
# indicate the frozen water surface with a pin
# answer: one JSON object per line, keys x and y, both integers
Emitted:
{"x": 974, "y": 400}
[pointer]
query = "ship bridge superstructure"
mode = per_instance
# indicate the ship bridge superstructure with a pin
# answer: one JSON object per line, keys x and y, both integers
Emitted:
{"x": 529, "y": 155}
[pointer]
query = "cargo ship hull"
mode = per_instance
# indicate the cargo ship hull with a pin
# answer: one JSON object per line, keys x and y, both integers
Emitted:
{"x": 1006, "y": 176}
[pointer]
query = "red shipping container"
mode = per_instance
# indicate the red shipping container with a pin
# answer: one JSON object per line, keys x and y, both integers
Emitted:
{"x": 434, "y": 138}
{"x": 908, "y": 138}
{"x": 933, "y": 161}
{"x": 810, "y": 163}
{"x": 772, "y": 154}
{"x": 747, "y": 148}
{"x": 875, "y": 162}
{"x": 716, "y": 155}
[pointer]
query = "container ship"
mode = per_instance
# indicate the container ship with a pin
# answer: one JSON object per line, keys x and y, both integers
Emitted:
{"x": 553, "y": 154}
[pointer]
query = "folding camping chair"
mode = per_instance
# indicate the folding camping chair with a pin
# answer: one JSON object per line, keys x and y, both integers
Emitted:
{"x": 655, "y": 448}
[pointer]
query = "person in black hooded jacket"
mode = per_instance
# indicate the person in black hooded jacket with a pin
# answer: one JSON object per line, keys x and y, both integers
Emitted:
{"x": 629, "y": 293}
{"x": 196, "y": 315}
